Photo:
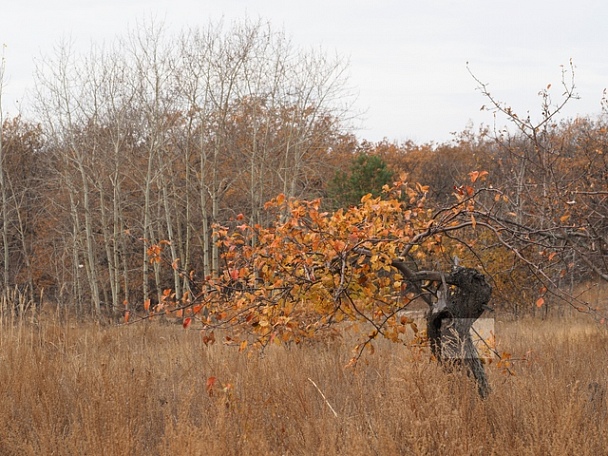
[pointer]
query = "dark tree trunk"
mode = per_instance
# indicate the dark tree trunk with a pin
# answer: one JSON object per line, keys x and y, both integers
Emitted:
{"x": 450, "y": 319}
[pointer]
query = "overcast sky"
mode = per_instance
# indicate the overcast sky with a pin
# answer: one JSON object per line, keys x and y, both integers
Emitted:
{"x": 407, "y": 58}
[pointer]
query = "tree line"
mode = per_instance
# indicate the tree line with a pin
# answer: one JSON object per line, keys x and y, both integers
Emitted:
{"x": 140, "y": 150}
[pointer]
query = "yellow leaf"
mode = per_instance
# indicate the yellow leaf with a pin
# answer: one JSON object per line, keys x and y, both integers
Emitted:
{"x": 371, "y": 348}
{"x": 422, "y": 188}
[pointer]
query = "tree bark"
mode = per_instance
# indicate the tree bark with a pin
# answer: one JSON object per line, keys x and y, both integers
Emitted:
{"x": 450, "y": 319}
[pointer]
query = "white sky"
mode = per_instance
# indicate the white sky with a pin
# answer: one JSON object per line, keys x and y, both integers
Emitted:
{"x": 407, "y": 58}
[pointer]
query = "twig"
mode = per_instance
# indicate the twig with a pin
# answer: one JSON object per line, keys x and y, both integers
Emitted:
{"x": 493, "y": 350}
{"x": 324, "y": 398}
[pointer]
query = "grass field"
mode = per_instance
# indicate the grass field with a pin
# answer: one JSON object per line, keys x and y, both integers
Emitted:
{"x": 72, "y": 388}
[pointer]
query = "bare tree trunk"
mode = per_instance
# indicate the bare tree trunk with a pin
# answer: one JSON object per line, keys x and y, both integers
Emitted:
{"x": 4, "y": 202}
{"x": 149, "y": 238}
{"x": 77, "y": 293}
{"x": 169, "y": 215}
{"x": 91, "y": 263}
{"x": 450, "y": 320}
{"x": 109, "y": 246}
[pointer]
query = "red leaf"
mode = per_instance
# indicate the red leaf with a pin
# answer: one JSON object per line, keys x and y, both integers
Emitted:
{"x": 196, "y": 309}
{"x": 187, "y": 322}
{"x": 210, "y": 382}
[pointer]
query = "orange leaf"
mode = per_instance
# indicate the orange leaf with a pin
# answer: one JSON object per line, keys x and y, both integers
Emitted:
{"x": 187, "y": 322}
{"x": 210, "y": 339}
{"x": 338, "y": 245}
{"x": 147, "y": 305}
{"x": 540, "y": 301}
{"x": 210, "y": 382}
{"x": 476, "y": 175}
{"x": 196, "y": 309}
{"x": 127, "y": 314}
{"x": 351, "y": 363}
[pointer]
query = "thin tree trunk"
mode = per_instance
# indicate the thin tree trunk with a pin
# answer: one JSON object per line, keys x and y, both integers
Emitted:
{"x": 172, "y": 240}
{"x": 5, "y": 215}
{"x": 91, "y": 263}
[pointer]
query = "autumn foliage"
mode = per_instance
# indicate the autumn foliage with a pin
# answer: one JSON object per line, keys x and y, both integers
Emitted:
{"x": 143, "y": 186}
{"x": 311, "y": 270}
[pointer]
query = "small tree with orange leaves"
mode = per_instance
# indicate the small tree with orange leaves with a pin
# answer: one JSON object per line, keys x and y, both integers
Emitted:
{"x": 311, "y": 270}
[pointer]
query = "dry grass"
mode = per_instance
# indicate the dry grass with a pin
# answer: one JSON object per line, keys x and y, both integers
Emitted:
{"x": 84, "y": 389}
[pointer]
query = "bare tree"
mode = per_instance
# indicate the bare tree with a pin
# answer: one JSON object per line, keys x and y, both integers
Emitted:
{"x": 554, "y": 216}
{"x": 3, "y": 190}
{"x": 158, "y": 138}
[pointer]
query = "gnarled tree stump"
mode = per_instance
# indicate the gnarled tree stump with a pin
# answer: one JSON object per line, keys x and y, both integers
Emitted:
{"x": 450, "y": 319}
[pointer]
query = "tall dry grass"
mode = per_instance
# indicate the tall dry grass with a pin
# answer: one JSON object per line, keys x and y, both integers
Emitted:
{"x": 71, "y": 388}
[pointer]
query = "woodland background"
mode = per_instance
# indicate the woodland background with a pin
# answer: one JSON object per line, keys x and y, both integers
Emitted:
{"x": 156, "y": 139}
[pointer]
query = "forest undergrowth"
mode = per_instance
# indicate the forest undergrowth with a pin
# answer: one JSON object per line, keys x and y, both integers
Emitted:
{"x": 73, "y": 388}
